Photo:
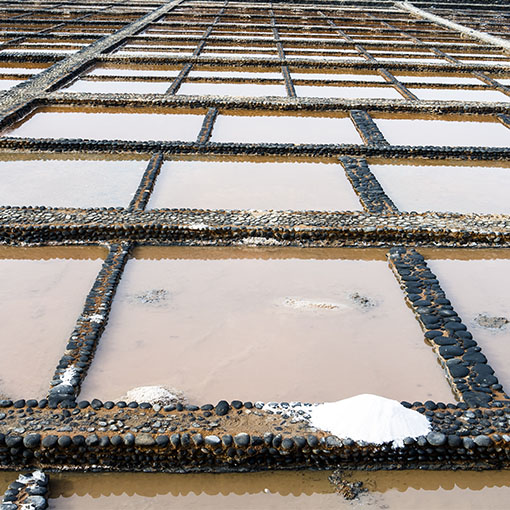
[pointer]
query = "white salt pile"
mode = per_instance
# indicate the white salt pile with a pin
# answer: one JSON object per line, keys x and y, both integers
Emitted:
{"x": 363, "y": 418}
{"x": 155, "y": 395}
{"x": 369, "y": 418}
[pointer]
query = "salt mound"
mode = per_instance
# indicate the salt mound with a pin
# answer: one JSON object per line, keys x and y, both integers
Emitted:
{"x": 369, "y": 418}
{"x": 155, "y": 395}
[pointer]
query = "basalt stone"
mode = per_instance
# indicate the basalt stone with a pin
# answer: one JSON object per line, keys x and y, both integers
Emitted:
{"x": 37, "y": 491}
{"x": 445, "y": 340}
{"x": 312, "y": 441}
{"x": 32, "y": 440}
{"x": 454, "y": 326}
{"x": 212, "y": 440}
{"x": 144, "y": 440}
{"x": 237, "y": 404}
{"x": 454, "y": 441}
{"x": 458, "y": 370}
{"x": 468, "y": 443}
{"x": 37, "y": 502}
{"x": 287, "y": 444}
{"x": 222, "y": 408}
{"x": 175, "y": 439}
{"x": 268, "y": 438}
{"x": 483, "y": 369}
{"x": 19, "y": 404}
{"x": 433, "y": 334}
{"x": 483, "y": 441}
{"x": 242, "y": 439}
{"x": 486, "y": 379}
{"x": 49, "y": 441}
{"x": 129, "y": 439}
{"x": 436, "y": 438}
{"x": 333, "y": 442}
{"x": 78, "y": 440}
{"x": 256, "y": 441}
{"x": 449, "y": 351}
{"x": 92, "y": 440}
{"x": 185, "y": 439}
{"x": 476, "y": 357}
{"x": 64, "y": 441}
{"x": 104, "y": 441}
{"x": 162, "y": 441}
{"x": 476, "y": 398}
{"x": 227, "y": 440}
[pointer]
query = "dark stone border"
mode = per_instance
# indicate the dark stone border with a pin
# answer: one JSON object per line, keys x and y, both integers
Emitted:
{"x": 59, "y": 145}
{"x": 271, "y": 103}
{"x": 466, "y": 368}
{"x": 41, "y": 225}
{"x": 370, "y": 193}
{"x": 82, "y": 344}
{"x": 170, "y": 441}
{"x": 207, "y": 126}
{"x": 367, "y": 128}
{"x": 143, "y": 193}
{"x": 28, "y": 491}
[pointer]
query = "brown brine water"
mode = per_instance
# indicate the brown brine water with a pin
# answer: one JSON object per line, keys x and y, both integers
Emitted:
{"x": 388, "y": 490}
{"x": 263, "y": 324}
{"x": 250, "y": 185}
{"x": 464, "y": 189}
{"x": 62, "y": 182}
{"x": 42, "y": 294}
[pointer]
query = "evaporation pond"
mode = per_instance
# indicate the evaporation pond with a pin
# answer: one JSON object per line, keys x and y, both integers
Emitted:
{"x": 69, "y": 183}
{"x": 231, "y": 89}
{"x": 438, "y": 94}
{"x": 464, "y": 189}
{"x": 42, "y": 294}
{"x": 118, "y": 87}
{"x": 479, "y": 290}
{"x": 284, "y": 129}
{"x": 248, "y": 185}
{"x": 110, "y": 126}
{"x": 444, "y": 132}
{"x": 319, "y": 324}
{"x": 280, "y": 490}
{"x": 347, "y": 92}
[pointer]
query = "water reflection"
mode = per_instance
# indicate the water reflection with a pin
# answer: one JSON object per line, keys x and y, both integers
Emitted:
{"x": 390, "y": 490}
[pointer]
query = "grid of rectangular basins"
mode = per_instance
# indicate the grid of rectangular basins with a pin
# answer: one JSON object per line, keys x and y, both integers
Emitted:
{"x": 315, "y": 76}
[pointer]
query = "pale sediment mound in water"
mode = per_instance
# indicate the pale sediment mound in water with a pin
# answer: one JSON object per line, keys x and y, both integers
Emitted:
{"x": 155, "y": 395}
{"x": 369, "y": 418}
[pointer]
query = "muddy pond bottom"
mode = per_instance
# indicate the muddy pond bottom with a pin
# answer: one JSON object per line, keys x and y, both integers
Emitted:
{"x": 42, "y": 295}
{"x": 389, "y": 490}
{"x": 263, "y": 324}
